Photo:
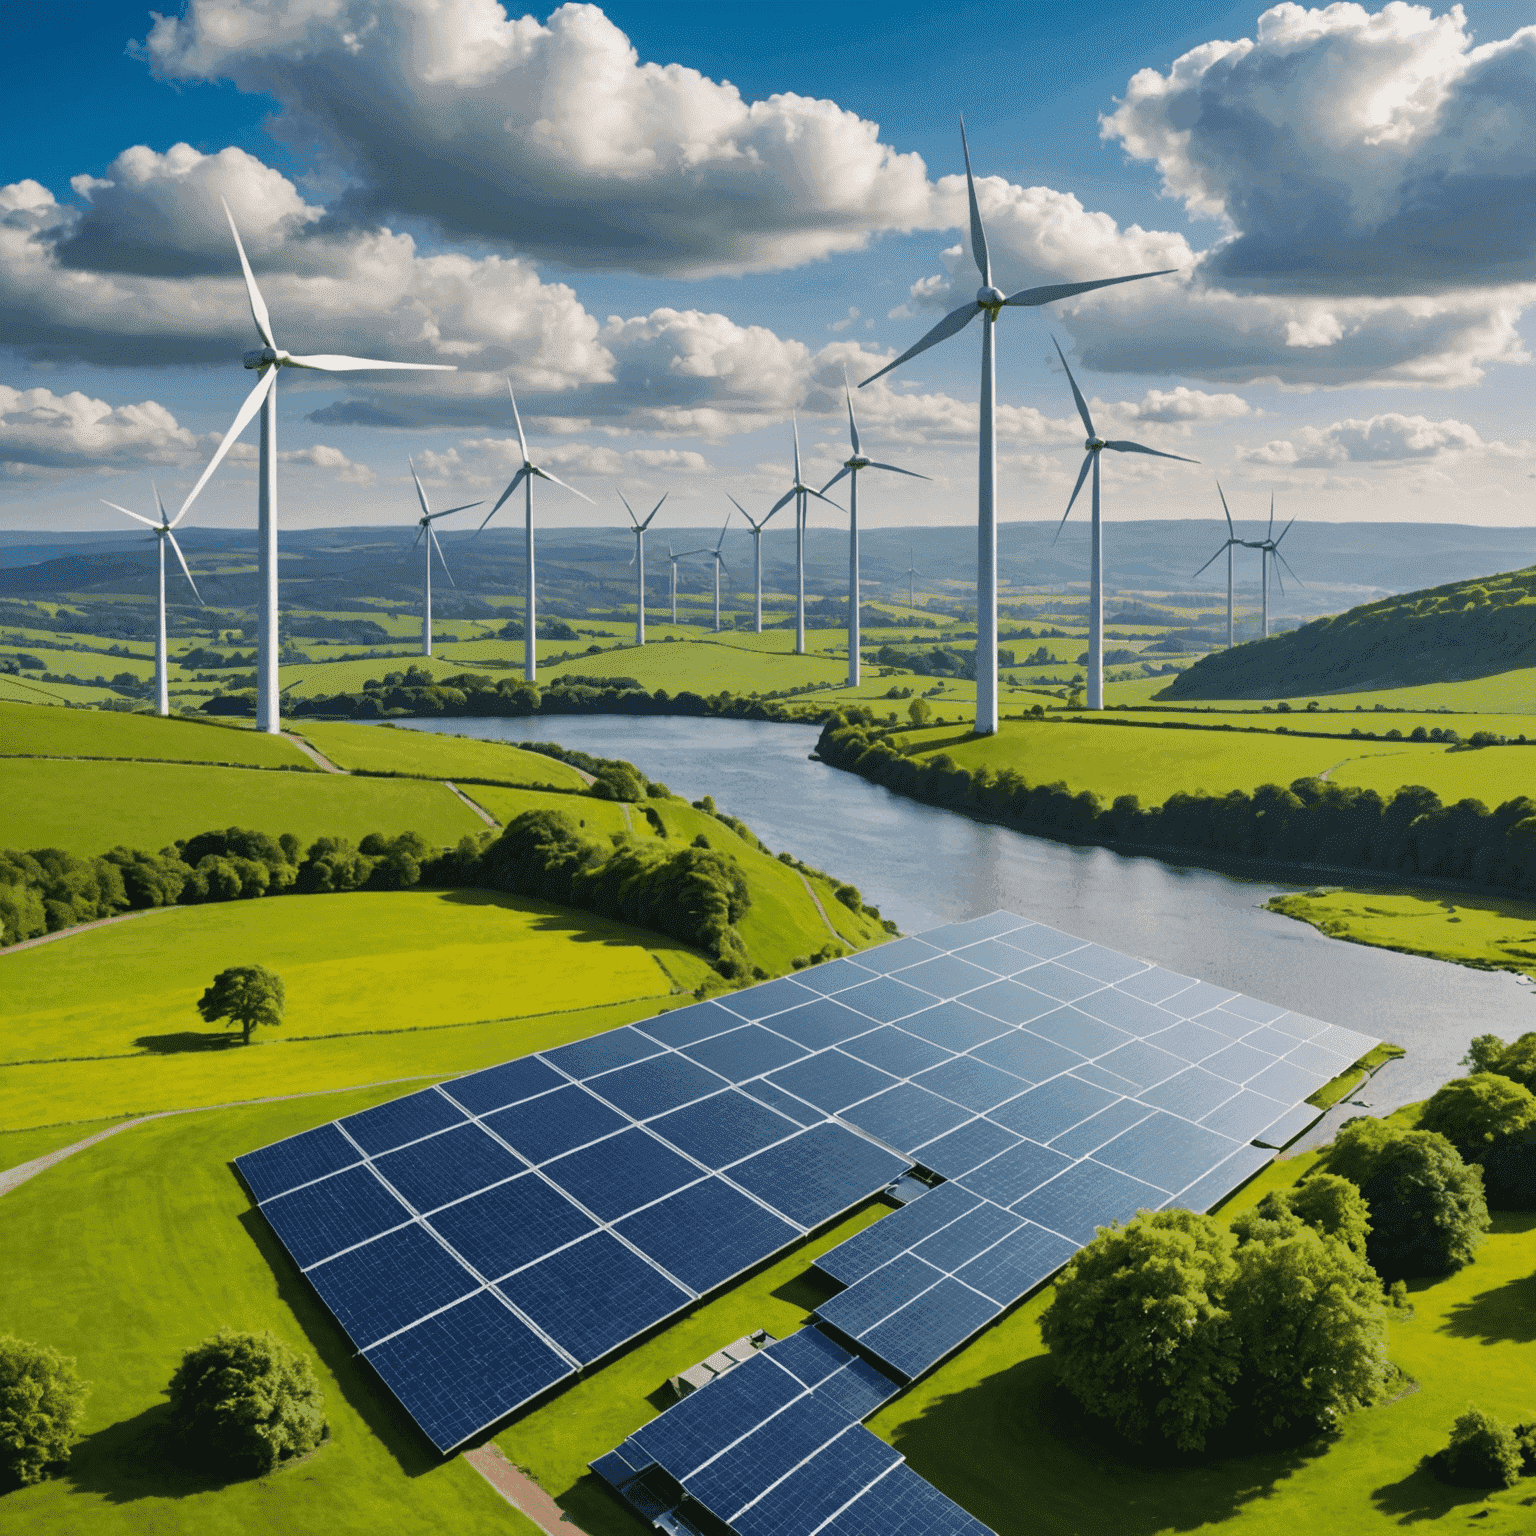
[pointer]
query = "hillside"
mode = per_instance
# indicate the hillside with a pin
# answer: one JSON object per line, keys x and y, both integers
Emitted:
{"x": 1443, "y": 634}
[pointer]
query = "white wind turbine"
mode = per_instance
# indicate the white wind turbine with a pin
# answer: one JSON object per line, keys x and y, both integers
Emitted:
{"x": 638, "y": 560}
{"x": 267, "y": 360}
{"x": 911, "y": 573}
{"x": 1233, "y": 542}
{"x": 798, "y": 492}
{"x": 429, "y": 534}
{"x": 1269, "y": 546}
{"x": 989, "y": 303}
{"x": 757, "y": 550}
{"x": 526, "y": 475}
{"x": 851, "y": 468}
{"x": 163, "y": 535}
{"x": 720, "y": 565}
{"x": 1095, "y": 445}
{"x": 673, "y": 557}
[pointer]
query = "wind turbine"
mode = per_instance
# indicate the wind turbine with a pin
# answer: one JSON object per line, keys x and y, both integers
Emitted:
{"x": 673, "y": 557}
{"x": 526, "y": 475}
{"x": 720, "y": 565}
{"x": 162, "y": 535}
{"x": 910, "y": 573}
{"x": 757, "y": 550}
{"x": 639, "y": 560}
{"x": 267, "y": 360}
{"x": 798, "y": 492}
{"x": 851, "y": 468}
{"x": 429, "y": 534}
{"x": 1269, "y": 546}
{"x": 1233, "y": 542}
{"x": 1095, "y": 446}
{"x": 989, "y": 303}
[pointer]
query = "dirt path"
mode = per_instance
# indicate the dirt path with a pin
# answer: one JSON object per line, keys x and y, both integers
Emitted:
{"x": 1360, "y": 757}
{"x": 810, "y": 891}
{"x": 520, "y": 1490}
{"x": 479, "y": 810}
{"x": 317, "y": 758}
{"x": 64, "y": 933}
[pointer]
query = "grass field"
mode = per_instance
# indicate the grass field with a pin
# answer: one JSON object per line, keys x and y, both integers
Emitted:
{"x": 705, "y": 666}
{"x": 1511, "y": 693}
{"x": 90, "y": 807}
{"x": 23, "y": 690}
{"x": 438, "y": 756}
{"x": 17, "y": 1147}
{"x": 598, "y": 817}
{"x": 45, "y": 732}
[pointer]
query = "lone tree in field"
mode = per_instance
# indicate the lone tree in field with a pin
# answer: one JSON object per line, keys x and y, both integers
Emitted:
{"x": 1490, "y": 1119}
{"x": 41, "y": 1400}
{"x": 246, "y": 995}
{"x": 242, "y": 1402}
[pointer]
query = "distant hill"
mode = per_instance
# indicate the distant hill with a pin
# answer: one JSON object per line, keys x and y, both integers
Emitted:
{"x": 1442, "y": 635}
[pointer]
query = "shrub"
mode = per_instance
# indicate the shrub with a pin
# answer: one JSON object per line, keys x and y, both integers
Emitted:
{"x": 242, "y": 1402}
{"x": 1483, "y": 1452}
{"x": 1516, "y": 1061}
{"x": 1490, "y": 1120}
{"x": 41, "y": 1401}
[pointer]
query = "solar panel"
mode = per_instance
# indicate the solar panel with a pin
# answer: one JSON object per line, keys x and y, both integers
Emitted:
{"x": 906, "y": 1116}
{"x": 745, "y": 1051}
{"x": 835, "y": 976}
{"x": 1042, "y": 942}
{"x": 903, "y": 1501}
{"x": 1286, "y": 1082}
{"x": 898, "y": 955}
{"x": 602, "y": 1053}
{"x": 877, "y": 1295}
{"x": 956, "y": 1245}
{"x": 1141, "y": 1064}
{"x": 706, "y": 1233}
{"x": 822, "y": 1023}
{"x": 955, "y": 1026}
{"x": 995, "y": 956}
{"x": 819, "y": 1173}
{"x": 770, "y": 998}
{"x": 339, "y": 1212}
{"x": 1215, "y": 1186}
{"x": 1302, "y": 1027}
{"x": 895, "y": 1051}
{"x": 947, "y": 976}
{"x": 1012, "y": 1174}
{"x": 1111, "y": 1006}
{"x": 1075, "y": 1030}
{"x": 965, "y": 1148}
{"x": 1190, "y": 1041}
{"x": 887, "y": 999}
{"x": 1093, "y": 1132}
{"x": 1289, "y": 1126}
{"x": 1196, "y": 1000}
{"x": 1315, "y": 1058}
{"x": 1253, "y": 1008}
{"x": 683, "y": 1026}
{"x": 1043, "y": 1113}
{"x": 858, "y": 1388}
{"x": 1165, "y": 1151}
{"x": 1107, "y": 965}
{"x": 511, "y": 1225}
{"x": 929, "y": 1326}
{"x": 723, "y": 1129}
{"x": 1192, "y": 1093}
{"x": 1026, "y": 1056}
{"x": 814, "y": 1491}
{"x": 1056, "y": 980}
{"x": 973, "y": 1083}
{"x": 653, "y": 1087}
{"x": 555, "y": 1123}
{"x": 1011, "y": 1002}
{"x": 830, "y": 1080}
{"x": 1243, "y": 1116}
{"x": 783, "y": 1103}
{"x": 616, "y": 1176}
{"x": 389, "y": 1283}
{"x": 809, "y": 1355}
{"x": 902, "y": 1229}
{"x": 448, "y": 1166}
{"x": 1087, "y": 1196}
{"x": 993, "y": 925}
{"x": 401, "y": 1120}
{"x": 1155, "y": 985}
{"x": 287, "y": 1164}
{"x": 497, "y": 1087}
{"x": 1017, "y": 1264}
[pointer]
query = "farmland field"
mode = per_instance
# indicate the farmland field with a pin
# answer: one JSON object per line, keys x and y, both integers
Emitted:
{"x": 76, "y": 733}
{"x": 438, "y": 756}
{"x": 596, "y": 817}
{"x": 705, "y": 666}
{"x": 24, "y": 690}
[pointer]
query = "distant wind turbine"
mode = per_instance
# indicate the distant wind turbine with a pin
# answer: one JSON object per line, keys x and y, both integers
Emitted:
{"x": 525, "y": 476}
{"x": 1095, "y": 446}
{"x": 718, "y": 557}
{"x": 429, "y": 534}
{"x": 851, "y": 468}
{"x": 638, "y": 560}
{"x": 163, "y": 535}
{"x": 673, "y": 557}
{"x": 798, "y": 492}
{"x": 267, "y": 360}
{"x": 757, "y": 550}
{"x": 1269, "y": 547}
{"x": 989, "y": 303}
{"x": 1233, "y": 542}
{"x": 910, "y": 573}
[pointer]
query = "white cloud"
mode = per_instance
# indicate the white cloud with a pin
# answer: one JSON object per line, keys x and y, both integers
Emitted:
{"x": 41, "y": 431}
{"x": 1188, "y": 405}
{"x": 492, "y": 461}
{"x": 1390, "y": 438}
{"x": 332, "y": 460}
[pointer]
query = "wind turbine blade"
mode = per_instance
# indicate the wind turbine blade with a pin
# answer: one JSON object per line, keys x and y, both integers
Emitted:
{"x": 512, "y": 485}
{"x": 794, "y": 422}
{"x": 184, "y": 571}
{"x": 148, "y": 522}
{"x": 1082, "y": 475}
{"x": 978, "y": 235}
{"x": 853, "y": 426}
{"x": 335, "y": 362}
{"x": 1270, "y": 535}
{"x": 421, "y": 528}
{"x": 835, "y": 478}
{"x": 1077, "y": 394}
{"x": 253, "y": 403}
{"x": 655, "y": 510}
{"x": 783, "y": 501}
{"x": 622, "y": 497}
{"x": 741, "y": 509}
{"x": 1157, "y": 453}
{"x": 827, "y": 499}
{"x": 896, "y": 470}
{"x": 432, "y": 534}
{"x": 1031, "y": 298}
{"x": 1283, "y": 533}
{"x": 956, "y": 320}
{"x": 451, "y": 510}
{"x": 523, "y": 441}
{"x": 421, "y": 495}
{"x": 1279, "y": 579}
{"x": 1214, "y": 558}
{"x": 1287, "y": 564}
{"x": 165, "y": 517}
{"x": 544, "y": 474}
{"x": 253, "y": 293}
{"x": 1231, "y": 531}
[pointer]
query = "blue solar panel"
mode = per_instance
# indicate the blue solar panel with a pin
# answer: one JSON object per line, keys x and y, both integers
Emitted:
{"x": 1012, "y": 1174}
{"x": 833, "y": 976}
{"x": 887, "y": 999}
{"x": 1271, "y": 1040}
{"x": 893, "y": 1050}
{"x": 591, "y": 1297}
{"x": 995, "y": 956}
{"x": 770, "y": 998}
{"x": 877, "y": 1295}
{"x": 1043, "y": 942}
{"x": 858, "y": 1389}
{"x": 1189, "y": 1041}
{"x": 1087, "y": 1196}
{"x": 947, "y": 976}
{"x": 1026, "y": 1056}
{"x": 820, "y": 1173}
{"x": 974, "y": 929}
{"x": 1045, "y": 1112}
{"x": 1286, "y": 1082}
{"x": 298, "y": 1160}
{"x": 955, "y": 1026}
{"x": 964, "y": 1148}
{"x": 820, "y": 1024}
{"x": 1156, "y": 985}
{"x": 818, "y": 1489}
{"x": 706, "y": 1233}
{"x": 1057, "y": 981}
{"x": 809, "y": 1355}
{"x": 1018, "y": 1263}
{"x": 902, "y": 1501}
{"x": 868, "y": 1250}
{"x": 496, "y": 1087}
{"x": 785, "y": 1103}
{"x": 1223, "y": 1179}
{"x": 926, "y": 1329}
{"x": 682, "y": 1026}
{"x": 1092, "y": 1072}
{"x": 830, "y": 1080}
{"x": 389, "y": 1283}
{"x": 1243, "y": 1116}
{"x": 602, "y": 1053}
{"x": 323, "y": 1218}
{"x": 897, "y": 955}
{"x": 1254, "y": 1008}
{"x": 463, "y": 1369}
{"x": 906, "y": 1116}
{"x": 1193, "y": 1093}
{"x": 447, "y": 1167}
{"x": 554, "y": 1123}
{"x": 723, "y": 1129}
{"x": 1141, "y": 1064}
{"x": 1104, "y": 964}
{"x": 1238, "y": 1063}
{"x": 653, "y": 1087}
{"x": 957, "y": 1244}
{"x": 1289, "y": 1126}
{"x": 972, "y": 1083}
{"x": 1124, "y": 1012}
{"x": 745, "y": 1052}
{"x": 1316, "y": 1058}
{"x": 1097, "y": 1129}
{"x": 511, "y": 1225}
{"x": 1011, "y": 1002}
{"x": 1196, "y": 1000}
{"x": 616, "y": 1176}
{"x": 401, "y": 1120}
{"x": 1076, "y": 1031}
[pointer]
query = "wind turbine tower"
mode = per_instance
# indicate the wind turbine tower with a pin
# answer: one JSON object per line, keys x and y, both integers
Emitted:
{"x": 429, "y": 534}
{"x": 1233, "y": 542}
{"x": 990, "y": 303}
{"x": 757, "y": 551}
{"x": 798, "y": 492}
{"x": 718, "y": 557}
{"x": 1269, "y": 548}
{"x": 163, "y": 535}
{"x": 911, "y": 573}
{"x": 638, "y": 561}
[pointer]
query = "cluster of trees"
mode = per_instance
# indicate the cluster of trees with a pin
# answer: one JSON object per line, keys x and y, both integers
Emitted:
{"x": 1485, "y": 1452}
{"x": 1311, "y": 822}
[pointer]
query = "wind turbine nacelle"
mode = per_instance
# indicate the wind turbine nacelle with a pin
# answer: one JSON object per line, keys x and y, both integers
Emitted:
{"x": 263, "y": 357}
{"x": 856, "y": 462}
{"x": 991, "y": 298}
{"x": 1093, "y": 444}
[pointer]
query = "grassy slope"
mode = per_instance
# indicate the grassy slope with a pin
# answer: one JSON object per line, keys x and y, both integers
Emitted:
{"x": 425, "y": 752}
{"x": 24, "y": 690}
{"x": 17, "y": 1147}
{"x": 74, "y": 733}
{"x": 1491, "y": 774}
{"x": 594, "y": 816}
{"x": 158, "y": 1210}
{"x": 1509, "y": 693}
{"x": 89, "y": 807}
{"x": 703, "y": 666}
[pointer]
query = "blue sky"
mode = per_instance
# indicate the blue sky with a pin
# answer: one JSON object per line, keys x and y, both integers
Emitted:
{"x": 666, "y": 266}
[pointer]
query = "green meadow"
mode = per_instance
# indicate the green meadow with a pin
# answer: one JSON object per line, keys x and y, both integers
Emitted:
{"x": 33, "y": 732}
{"x": 385, "y": 749}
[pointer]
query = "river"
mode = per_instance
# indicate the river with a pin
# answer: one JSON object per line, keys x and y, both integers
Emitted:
{"x": 923, "y": 866}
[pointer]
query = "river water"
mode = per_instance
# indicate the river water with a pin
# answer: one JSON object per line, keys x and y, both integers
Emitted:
{"x": 923, "y": 866}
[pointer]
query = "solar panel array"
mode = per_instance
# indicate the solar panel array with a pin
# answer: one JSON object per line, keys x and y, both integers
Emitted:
{"x": 774, "y": 1448}
{"x": 482, "y": 1240}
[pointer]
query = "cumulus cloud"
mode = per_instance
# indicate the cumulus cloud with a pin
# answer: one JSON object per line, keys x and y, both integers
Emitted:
{"x": 1390, "y": 438}
{"x": 551, "y": 137}
{"x": 41, "y": 431}
{"x": 1188, "y": 405}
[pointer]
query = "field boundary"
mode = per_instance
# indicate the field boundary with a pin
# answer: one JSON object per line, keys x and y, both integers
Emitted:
{"x": 65, "y": 933}
{"x": 816, "y": 901}
{"x": 477, "y": 808}
{"x": 320, "y": 760}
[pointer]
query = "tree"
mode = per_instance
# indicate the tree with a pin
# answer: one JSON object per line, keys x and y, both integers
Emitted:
{"x": 1325, "y": 1202}
{"x": 246, "y": 995}
{"x": 919, "y": 712}
{"x": 245, "y": 1401}
{"x": 1490, "y": 1120}
{"x": 1516, "y": 1061}
{"x": 1428, "y": 1213}
{"x": 1483, "y": 1452}
{"x": 41, "y": 1401}
{"x": 1139, "y": 1333}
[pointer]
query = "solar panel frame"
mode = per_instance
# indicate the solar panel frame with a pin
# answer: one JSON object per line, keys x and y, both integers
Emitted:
{"x": 602, "y": 1053}
{"x": 333, "y": 1214}
{"x": 398, "y": 1121}
{"x": 482, "y": 1093}
{"x": 745, "y": 1052}
{"x": 511, "y": 1225}
{"x": 284, "y": 1165}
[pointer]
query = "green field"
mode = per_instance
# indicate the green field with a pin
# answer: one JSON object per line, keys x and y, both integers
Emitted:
{"x": 23, "y": 690}
{"x": 1502, "y": 693}
{"x": 88, "y": 807}
{"x": 705, "y": 666}
{"x": 601, "y": 817}
{"x": 384, "y": 749}
{"x": 35, "y": 732}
